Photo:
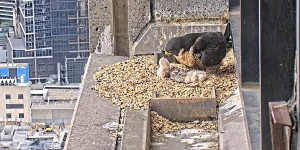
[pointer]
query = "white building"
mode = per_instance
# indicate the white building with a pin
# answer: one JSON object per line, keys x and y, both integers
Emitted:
{"x": 7, "y": 10}
{"x": 15, "y": 103}
{"x": 14, "y": 92}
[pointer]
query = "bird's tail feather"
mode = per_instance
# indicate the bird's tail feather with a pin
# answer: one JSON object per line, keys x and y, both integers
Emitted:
{"x": 228, "y": 36}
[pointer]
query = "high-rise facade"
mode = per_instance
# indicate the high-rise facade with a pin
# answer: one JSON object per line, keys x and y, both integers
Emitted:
{"x": 53, "y": 31}
{"x": 7, "y": 10}
{"x": 7, "y": 21}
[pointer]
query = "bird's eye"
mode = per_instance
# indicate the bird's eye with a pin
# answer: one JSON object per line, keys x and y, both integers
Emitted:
{"x": 168, "y": 52}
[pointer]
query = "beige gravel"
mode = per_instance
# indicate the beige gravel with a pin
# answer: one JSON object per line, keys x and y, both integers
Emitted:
{"x": 131, "y": 83}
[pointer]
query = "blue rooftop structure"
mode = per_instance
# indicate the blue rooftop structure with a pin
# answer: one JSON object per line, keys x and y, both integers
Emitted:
{"x": 19, "y": 71}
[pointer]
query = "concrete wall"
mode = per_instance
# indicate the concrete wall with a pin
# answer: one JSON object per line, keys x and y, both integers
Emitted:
{"x": 133, "y": 27}
{"x": 101, "y": 25}
{"x": 189, "y": 10}
{"x": 13, "y": 91}
{"x": 139, "y": 17}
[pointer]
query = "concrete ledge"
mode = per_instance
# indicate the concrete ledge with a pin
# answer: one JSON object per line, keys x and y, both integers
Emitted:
{"x": 185, "y": 110}
{"x": 235, "y": 122}
{"x": 95, "y": 120}
{"x": 249, "y": 91}
{"x": 136, "y": 130}
{"x": 251, "y": 98}
{"x": 233, "y": 131}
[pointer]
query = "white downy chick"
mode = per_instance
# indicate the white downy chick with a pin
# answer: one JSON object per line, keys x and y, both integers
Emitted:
{"x": 164, "y": 68}
{"x": 195, "y": 76}
{"x": 188, "y": 77}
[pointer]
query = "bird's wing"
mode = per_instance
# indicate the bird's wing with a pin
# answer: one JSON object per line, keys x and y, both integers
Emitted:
{"x": 198, "y": 46}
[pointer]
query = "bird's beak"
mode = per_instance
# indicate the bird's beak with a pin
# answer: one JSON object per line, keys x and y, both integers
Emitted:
{"x": 167, "y": 52}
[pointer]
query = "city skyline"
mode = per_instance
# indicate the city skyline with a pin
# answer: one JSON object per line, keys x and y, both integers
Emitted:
{"x": 49, "y": 33}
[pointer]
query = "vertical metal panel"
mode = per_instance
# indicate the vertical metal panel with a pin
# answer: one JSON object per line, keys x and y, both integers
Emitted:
{"x": 245, "y": 31}
{"x": 277, "y": 53}
{"x": 297, "y": 143}
{"x": 249, "y": 41}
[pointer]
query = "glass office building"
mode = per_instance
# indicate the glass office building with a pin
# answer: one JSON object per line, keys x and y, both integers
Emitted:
{"x": 53, "y": 32}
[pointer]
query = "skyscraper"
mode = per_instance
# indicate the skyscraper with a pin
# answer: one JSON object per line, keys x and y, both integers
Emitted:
{"x": 7, "y": 10}
{"x": 7, "y": 20}
{"x": 52, "y": 31}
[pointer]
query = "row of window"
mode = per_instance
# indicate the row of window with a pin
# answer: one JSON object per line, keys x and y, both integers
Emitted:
{"x": 58, "y": 14}
{"x": 8, "y": 96}
{"x": 63, "y": 5}
{"x": 63, "y": 31}
{"x": 39, "y": 2}
{"x": 43, "y": 44}
{"x": 17, "y": 54}
{"x": 39, "y": 11}
{"x": 14, "y": 106}
{"x": 8, "y": 115}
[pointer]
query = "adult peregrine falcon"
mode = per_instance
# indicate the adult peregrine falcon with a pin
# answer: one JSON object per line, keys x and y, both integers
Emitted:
{"x": 197, "y": 50}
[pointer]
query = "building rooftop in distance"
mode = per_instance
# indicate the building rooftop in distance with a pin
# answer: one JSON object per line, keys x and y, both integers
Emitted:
{"x": 13, "y": 65}
{"x": 32, "y": 136}
{"x": 68, "y": 86}
{"x": 17, "y": 44}
{"x": 14, "y": 73}
{"x": 37, "y": 86}
{"x": 63, "y": 94}
{"x": 56, "y": 92}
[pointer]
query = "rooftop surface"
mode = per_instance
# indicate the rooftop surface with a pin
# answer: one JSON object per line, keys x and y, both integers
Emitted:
{"x": 63, "y": 94}
{"x": 17, "y": 44}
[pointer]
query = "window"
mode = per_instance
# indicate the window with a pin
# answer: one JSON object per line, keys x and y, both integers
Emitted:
{"x": 28, "y": 12}
{"x": 14, "y": 106}
{"x": 72, "y": 22}
{"x": 72, "y": 13}
{"x": 50, "y": 67}
{"x": 8, "y": 115}
{"x": 18, "y": 54}
{"x": 20, "y": 96}
{"x": 29, "y": 54}
{"x": 21, "y": 115}
{"x": 29, "y": 45}
{"x": 28, "y": 29}
{"x": 7, "y": 96}
{"x": 42, "y": 67}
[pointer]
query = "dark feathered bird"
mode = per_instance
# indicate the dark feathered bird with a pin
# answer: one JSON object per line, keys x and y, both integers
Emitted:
{"x": 197, "y": 50}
